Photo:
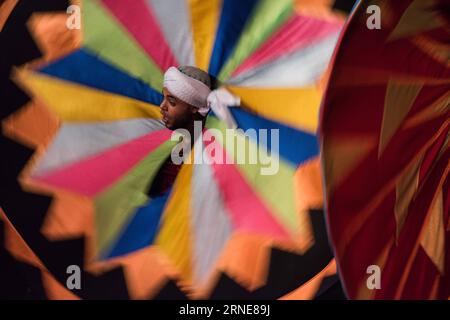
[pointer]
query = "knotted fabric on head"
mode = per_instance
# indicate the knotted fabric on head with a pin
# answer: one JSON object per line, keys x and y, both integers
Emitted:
{"x": 190, "y": 85}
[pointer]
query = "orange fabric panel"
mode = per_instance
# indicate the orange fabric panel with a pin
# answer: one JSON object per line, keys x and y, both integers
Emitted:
{"x": 5, "y": 10}
{"x": 33, "y": 125}
{"x": 52, "y": 36}
{"x": 309, "y": 289}
{"x": 308, "y": 186}
{"x": 55, "y": 290}
{"x": 246, "y": 259}
{"x": 16, "y": 246}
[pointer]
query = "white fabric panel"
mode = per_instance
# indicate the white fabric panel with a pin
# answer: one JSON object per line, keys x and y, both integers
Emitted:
{"x": 174, "y": 19}
{"x": 75, "y": 142}
{"x": 211, "y": 222}
{"x": 299, "y": 69}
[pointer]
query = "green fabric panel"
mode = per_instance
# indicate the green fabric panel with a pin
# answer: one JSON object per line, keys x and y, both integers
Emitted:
{"x": 276, "y": 191}
{"x": 115, "y": 206}
{"x": 103, "y": 35}
{"x": 267, "y": 17}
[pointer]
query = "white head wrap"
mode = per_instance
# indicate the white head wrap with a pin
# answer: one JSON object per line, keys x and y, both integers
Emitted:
{"x": 198, "y": 94}
{"x": 187, "y": 89}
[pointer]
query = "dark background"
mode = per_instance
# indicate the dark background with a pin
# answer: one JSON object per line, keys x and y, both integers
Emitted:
{"x": 19, "y": 280}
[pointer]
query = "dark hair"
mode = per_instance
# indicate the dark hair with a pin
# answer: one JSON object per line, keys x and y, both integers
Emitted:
{"x": 197, "y": 74}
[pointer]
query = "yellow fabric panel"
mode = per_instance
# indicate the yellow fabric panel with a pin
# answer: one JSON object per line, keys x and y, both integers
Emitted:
{"x": 74, "y": 102}
{"x": 437, "y": 50}
{"x": 417, "y": 18}
{"x": 175, "y": 238}
{"x": 433, "y": 239}
{"x": 406, "y": 190}
{"x": 205, "y": 17}
{"x": 399, "y": 99}
{"x": 297, "y": 107}
{"x": 347, "y": 153}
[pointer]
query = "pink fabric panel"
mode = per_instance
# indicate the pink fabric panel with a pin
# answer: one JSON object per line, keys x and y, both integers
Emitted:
{"x": 247, "y": 212}
{"x": 298, "y": 32}
{"x": 136, "y": 16}
{"x": 94, "y": 174}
